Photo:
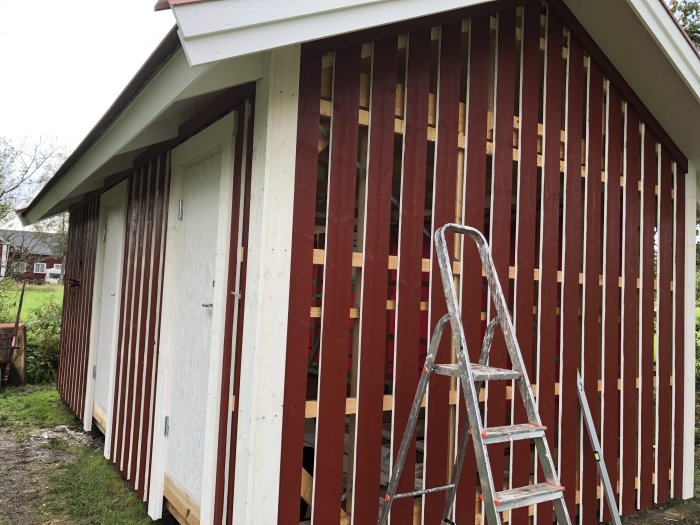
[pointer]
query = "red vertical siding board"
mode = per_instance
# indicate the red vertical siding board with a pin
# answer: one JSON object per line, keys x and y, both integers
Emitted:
{"x": 151, "y": 347}
{"x": 571, "y": 290}
{"x": 630, "y": 312}
{"x": 591, "y": 285}
{"x": 611, "y": 333}
{"x": 123, "y": 315}
{"x": 231, "y": 299}
{"x": 646, "y": 333}
{"x": 241, "y": 307}
{"x": 525, "y": 228}
{"x": 300, "y": 290}
{"x": 161, "y": 240}
{"x": 679, "y": 369}
{"x": 549, "y": 242}
{"x": 140, "y": 350}
{"x": 501, "y": 195}
{"x": 133, "y": 328}
{"x": 373, "y": 326}
{"x": 474, "y": 190}
{"x": 444, "y": 195}
{"x": 409, "y": 273}
{"x": 127, "y": 363}
{"x": 664, "y": 328}
{"x": 340, "y": 220}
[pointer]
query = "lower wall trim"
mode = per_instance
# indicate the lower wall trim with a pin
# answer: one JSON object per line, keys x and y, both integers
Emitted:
{"x": 180, "y": 504}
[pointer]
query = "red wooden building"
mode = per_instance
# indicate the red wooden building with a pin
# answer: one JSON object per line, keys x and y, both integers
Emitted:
{"x": 251, "y": 279}
{"x": 30, "y": 256}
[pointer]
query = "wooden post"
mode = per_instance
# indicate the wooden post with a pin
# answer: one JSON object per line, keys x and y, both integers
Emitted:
{"x": 256, "y": 482}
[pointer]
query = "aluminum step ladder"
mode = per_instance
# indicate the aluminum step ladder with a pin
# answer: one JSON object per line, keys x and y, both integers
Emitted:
{"x": 472, "y": 376}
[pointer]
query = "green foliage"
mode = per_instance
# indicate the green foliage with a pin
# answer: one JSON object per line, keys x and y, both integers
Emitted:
{"x": 43, "y": 336}
{"x": 687, "y": 12}
{"x": 26, "y": 408}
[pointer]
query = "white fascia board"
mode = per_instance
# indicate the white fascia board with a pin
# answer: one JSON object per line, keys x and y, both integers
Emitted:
{"x": 145, "y": 121}
{"x": 153, "y": 100}
{"x": 674, "y": 45}
{"x": 217, "y": 30}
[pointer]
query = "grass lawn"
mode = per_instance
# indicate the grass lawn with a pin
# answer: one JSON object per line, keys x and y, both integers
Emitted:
{"x": 54, "y": 473}
{"x": 34, "y": 296}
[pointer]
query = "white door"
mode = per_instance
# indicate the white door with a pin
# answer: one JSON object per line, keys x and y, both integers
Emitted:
{"x": 193, "y": 306}
{"x": 105, "y": 317}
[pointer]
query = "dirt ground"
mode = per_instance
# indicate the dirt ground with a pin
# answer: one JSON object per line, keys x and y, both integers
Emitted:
{"x": 24, "y": 465}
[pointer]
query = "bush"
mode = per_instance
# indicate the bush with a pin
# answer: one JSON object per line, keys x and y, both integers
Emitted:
{"x": 43, "y": 336}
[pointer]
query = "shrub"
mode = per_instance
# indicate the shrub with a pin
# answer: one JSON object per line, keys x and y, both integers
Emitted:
{"x": 43, "y": 335}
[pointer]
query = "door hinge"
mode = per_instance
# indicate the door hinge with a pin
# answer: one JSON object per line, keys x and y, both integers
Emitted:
{"x": 104, "y": 234}
{"x": 167, "y": 425}
{"x": 94, "y": 371}
{"x": 180, "y": 209}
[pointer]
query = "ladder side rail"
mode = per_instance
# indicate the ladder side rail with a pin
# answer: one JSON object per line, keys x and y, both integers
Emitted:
{"x": 503, "y": 313}
{"x": 464, "y": 441}
{"x": 471, "y": 399}
{"x": 397, "y": 468}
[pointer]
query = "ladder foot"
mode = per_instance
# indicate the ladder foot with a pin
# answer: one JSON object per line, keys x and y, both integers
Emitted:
{"x": 448, "y": 521}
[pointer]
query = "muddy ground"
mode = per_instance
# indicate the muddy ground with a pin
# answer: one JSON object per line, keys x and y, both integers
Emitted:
{"x": 25, "y": 464}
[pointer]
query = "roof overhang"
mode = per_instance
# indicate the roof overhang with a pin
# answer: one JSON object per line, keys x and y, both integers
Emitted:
{"x": 640, "y": 37}
{"x": 165, "y": 94}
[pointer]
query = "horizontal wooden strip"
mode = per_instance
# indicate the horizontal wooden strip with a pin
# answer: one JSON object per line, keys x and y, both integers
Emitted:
{"x": 311, "y": 410}
{"x": 392, "y": 264}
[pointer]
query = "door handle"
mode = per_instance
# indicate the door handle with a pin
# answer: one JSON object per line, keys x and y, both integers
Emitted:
{"x": 207, "y": 305}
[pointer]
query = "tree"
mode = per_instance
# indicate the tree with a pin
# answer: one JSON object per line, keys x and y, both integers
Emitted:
{"x": 687, "y": 12}
{"x": 23, "y": 168}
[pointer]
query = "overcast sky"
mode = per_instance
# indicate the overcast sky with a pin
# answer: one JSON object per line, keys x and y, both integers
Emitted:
{"x": 65, "y": 61}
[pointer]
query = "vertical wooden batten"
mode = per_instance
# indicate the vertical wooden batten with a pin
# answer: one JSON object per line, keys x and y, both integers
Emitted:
{"x": 373, "y": 329}
{"x": 299, "y": 290}
{"x": 260, "y": 404}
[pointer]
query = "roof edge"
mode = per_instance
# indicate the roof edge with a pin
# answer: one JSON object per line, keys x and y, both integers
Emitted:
{"x": 167, "y": 47}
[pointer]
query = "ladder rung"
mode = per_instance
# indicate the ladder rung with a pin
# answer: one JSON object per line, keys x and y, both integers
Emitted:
{"x": 512, "y": 433}
{"x": 421, "y": 492}
{"x": 526, "y": 496}
{"x": 480, "y": 372}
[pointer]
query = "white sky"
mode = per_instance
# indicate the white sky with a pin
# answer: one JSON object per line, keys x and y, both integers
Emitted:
{"x": 65, "y": 61}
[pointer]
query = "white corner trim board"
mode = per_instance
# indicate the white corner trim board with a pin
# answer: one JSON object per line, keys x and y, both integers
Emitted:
{"x": 691, "y": 207}
{"x": 259, "y": 437}
{"x": 212, "y": 31}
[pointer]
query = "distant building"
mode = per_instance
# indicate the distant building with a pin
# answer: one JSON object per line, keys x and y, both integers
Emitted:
{"x": 30, "y": 256}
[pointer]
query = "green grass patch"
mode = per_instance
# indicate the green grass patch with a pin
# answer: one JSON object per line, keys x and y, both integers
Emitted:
{"x": 91, "y": 492}
{"x": 35, "y": 295}
{"x": 27, "y": 408}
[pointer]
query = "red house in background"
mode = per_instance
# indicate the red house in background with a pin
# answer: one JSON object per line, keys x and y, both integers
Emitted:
{"x": 30, "y": 256}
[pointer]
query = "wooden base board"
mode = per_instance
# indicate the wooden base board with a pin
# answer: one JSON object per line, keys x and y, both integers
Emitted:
{"x": 180, "y": 504}
{"x": 100, "y": 418}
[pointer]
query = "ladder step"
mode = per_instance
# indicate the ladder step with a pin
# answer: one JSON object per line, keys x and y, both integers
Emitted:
{"x": 480, "y": 372}
{"x": 512, "y": 433}
{"x": 526, "y": 496}
{"x": 421, "y": 492}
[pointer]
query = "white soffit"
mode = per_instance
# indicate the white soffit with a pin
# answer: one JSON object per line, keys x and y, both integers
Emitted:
{"x": 220, "y": 29}
{"x": 643, "y": 42}
{"x": 152, "y": 116}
